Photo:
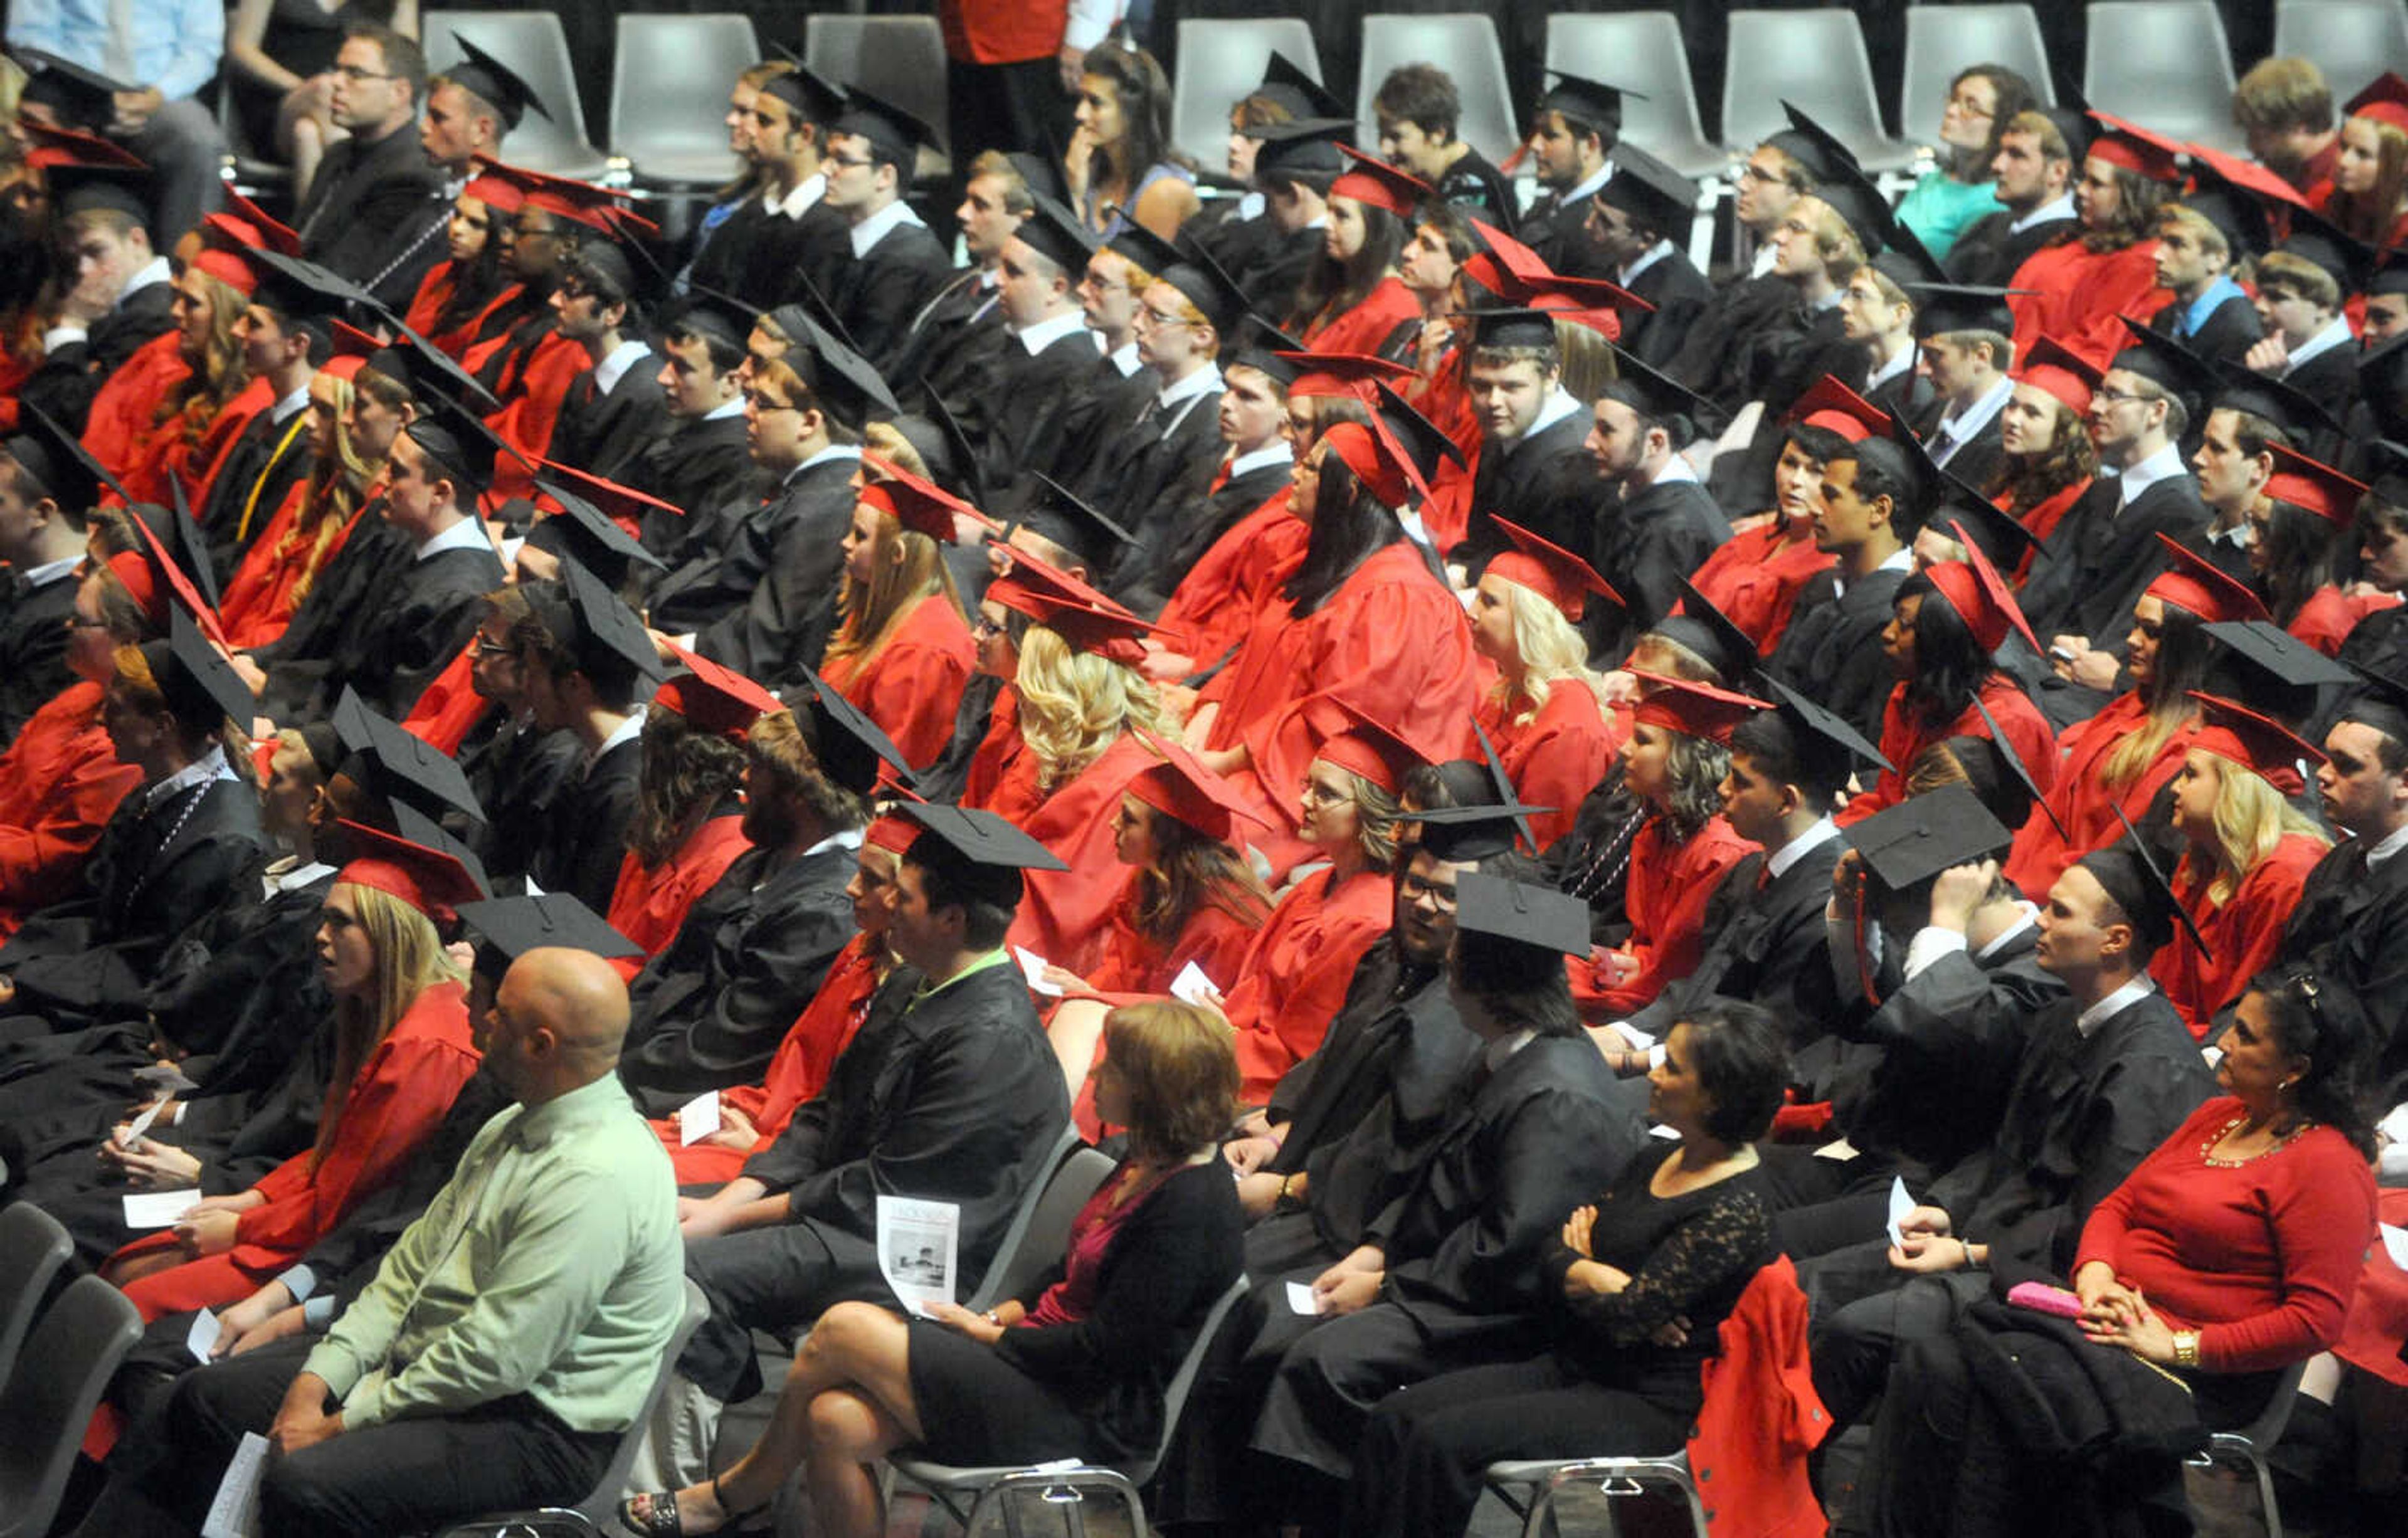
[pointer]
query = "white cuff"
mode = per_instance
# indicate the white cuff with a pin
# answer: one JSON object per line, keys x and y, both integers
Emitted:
{"x": 1931, "y": 943}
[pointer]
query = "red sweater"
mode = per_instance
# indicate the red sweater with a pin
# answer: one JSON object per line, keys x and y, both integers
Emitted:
{"x": 2260, "y": 1258}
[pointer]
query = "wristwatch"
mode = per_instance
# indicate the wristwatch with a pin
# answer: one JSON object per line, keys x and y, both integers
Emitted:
{"x": 2185, "y": 1348}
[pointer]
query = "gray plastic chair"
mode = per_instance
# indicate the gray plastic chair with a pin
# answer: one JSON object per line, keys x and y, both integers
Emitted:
{"x": 597, "y": 1513}
{"x": 670, "y": 80}
{"x": 1644, "y": 51}
{"x": 1041, "y": 1228}
{"x": 2252, "y": 1442}
{"x": 246, "y": 169}
{"x": 900, "y": 59}
{"x": 1220, "y": 63}
{"x": 2164, "y": 64}
{"x": 51, "y": 1394}
{"x": 1069, "y": 1482}
{"x": 1942, "y": 40}
{"x": 32, "y": 1246}
{"x": 2352, "y": 41}
{"x": 1466, "y": 46}
{"x": 532, "y": 43}
{"x": 1815, "y": 59}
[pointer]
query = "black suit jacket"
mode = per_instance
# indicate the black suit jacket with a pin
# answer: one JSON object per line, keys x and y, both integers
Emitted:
{"x": 72, "y": 375}
{"x": 876, "y": 294}
{"x": 2352, "y": 925}
{"x": 367, "y": 201}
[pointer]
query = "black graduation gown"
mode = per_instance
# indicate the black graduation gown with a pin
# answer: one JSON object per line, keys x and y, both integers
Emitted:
{"x": 2331, "y": 379}
{"x": 587, "y": 837}
{"x": 417, "y": 630}
{"x": 1150, "y": 467}
{"x": 604, "y": 432}
{"x": 1988, "y": 252}
{"x": 1591, "y": 861}
{"x": 695, "y": 466}
{"x": 2100, "y": 561}
{"x": 72, "y": 375}
{"x": 2352, "y": 926}
{"x": 341, "y": 602}
{"x": 2230, "y": 330}
{"x": 1272, "y": 265}
{"x": 1030, "y": 403}
{"x": 877, "y": 294}
{"x": 519, "y": 772}
{"x": 1546, "y": 482}
{"x": 944, "y": 780}
{"x": 718, "y": 263}
{"x": 1100, "y": 420}
{"x": 366, "y": 205}
{"x": 1169, "y": 549}
{"x": 263, "y": 464}
{"x": 1779, "y": 360}
{"x": 710, "y": 1009}
{"x": 1906, "y": 396}
{"x": 1480, "y": 190}
{"x": 1708, "y": 357}
{"x": 1680, "y": 293}
{"x": 1659, "y": 535}
{"x": 1763, "y": 944}
{"x": 2379, "y": 643}
{"x": 1558, "y": 232}
{"x": 950, "y": 344}
{"x": 783, "y": 254}
{"x": 788, "y": 560}
{"x": 1975, "y": 460}
{"x": 1832, "y": 646}
{"x": 33, "y": 648}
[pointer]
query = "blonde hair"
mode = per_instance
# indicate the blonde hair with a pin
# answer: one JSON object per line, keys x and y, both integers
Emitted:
{"x": 1074, "y": 705}
{"x": 193, "y": 402}
{"x": 409, "y": 960}
{"x": 338, "y": 486}
{"x": 1550, "y": 649}
{"x": 887, "y": 441}
{"x": 906, "y": 568}
{"x": 2251, "y": 818}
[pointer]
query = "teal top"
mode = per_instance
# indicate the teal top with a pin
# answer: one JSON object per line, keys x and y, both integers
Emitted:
{"x": 549, "y": 1265}
{"x": 1938, "y": 207}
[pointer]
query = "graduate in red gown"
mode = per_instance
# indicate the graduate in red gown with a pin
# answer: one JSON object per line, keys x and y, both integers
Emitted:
{"x": 2247, "y": 854}
{"x": 689, "y": 823}
{"x": 2368, "y": 198}
{"x": 902, "y": 651}
{"x": 2045, "y": 458}
{"x": 309, "y": 528}
{"x": 2306, "y": 528}
{"x": 151, "y": 416}
{"x": 1543, "y": 715}
{"x": 460, "y": 292}
{"x": 2083, "y": 287}
{"x": 403, "y": 1051}
{"x": 1352, "y": 299}
{"x": 1755, "y": 576}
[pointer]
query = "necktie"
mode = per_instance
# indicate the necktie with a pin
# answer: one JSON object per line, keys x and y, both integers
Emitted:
{"x": 1220, "y": 476}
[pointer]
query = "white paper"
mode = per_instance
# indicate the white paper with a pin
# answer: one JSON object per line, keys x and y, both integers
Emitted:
{"x": 1841, "y": 1151}
{"x": 1667, "y": 1134}
{"x": 2395, "y": 1126}
{"x": 697, "y": 1118}
{"x": 167, "y": 1077}
{"x": 1032, "y": 966}
{"x": 1300, "y": 1298}
{"x": 2395, "y": 1243}
{"x": 157, "y": 1209}
{"x": 1191, "y": 985}
{"x": 203, "y": 1337}
{"x": 235, "y": 1513}
{"x": 141, "y": 1124}
{"x": 917, "y": 1248}
{"x": 532, "y": 890}
{"x": 1900, "y": 1205}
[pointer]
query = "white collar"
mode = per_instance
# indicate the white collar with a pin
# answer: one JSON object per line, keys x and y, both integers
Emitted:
{"x": 1645, "y": 260}
{"x": 610, "y": 370}
{"x": 1675, "y": 469}
{"x": 2028, "y": 915}
{"x": 2336, "y": 334}
{"x": 1123, "y": 358}
{"x": 1045, "y": 333}
{"x": 1900, "y": 560}
{"x": 1780, "y": 860}
{"x": 290, "y": 875}
{"x": 1957, "y": 427}
{"x": 725, "y": 409}
{"x": 156, "y": 270}
{"x": 2162, "y": 465}
{"x": 1903, "y": 362}
{"x": 1588, "y": 187}
{"x": 52, "y": 571}
{"x": 1761, "y": 264}
{"x": 1250, "y": 205}
{"x": 628, "y": 730}
{"x": 1554, "y": 408}
{"x": 870, "y": 231}
{"x": 1279, "y": 452}
{"x": 2114, "y": 1004}
{"x": 2060, "y": 207}
{"x": 466, "y": 534}
{"x": 1204, "y": 381}
{"x": 794, "y": 205}
{"x": 209, "y": 766}
{"x": 2391, "y": 844}
{"x": 1495, "y": 1054}
{"x": 833, "y": 451}
{"x": 848, "y": 838}
{"x": 282, "y": 411}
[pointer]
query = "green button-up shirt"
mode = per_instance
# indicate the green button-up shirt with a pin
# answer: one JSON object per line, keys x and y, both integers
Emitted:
{"x": 549, "y": 1265}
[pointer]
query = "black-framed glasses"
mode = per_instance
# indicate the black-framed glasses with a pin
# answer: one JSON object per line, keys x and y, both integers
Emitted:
{"x": 354, "y": 73}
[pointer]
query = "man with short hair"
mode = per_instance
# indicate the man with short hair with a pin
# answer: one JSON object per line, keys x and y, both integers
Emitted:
{"x": 956, "y": 339}
{"x": 789, "y": 228}
{"x": 1665, "y": 523}
{"x": 1039, "y": 376}
{"x": 1419, "y": 114}
{"x": 2284, "y": 109}
{"x": 142, "y": 66}
{"x": 701, "y": 461}
{"x": 2034, "y": 170}
{"x": 1968, "y": 364}
{"x": 1777, "y": 173}
{"x": 1296, "y": 167}
{"x": 284, "y": 339}
{"x": 616, "y": 406}
{"x": 2210, "y": 314}
{"x": 1572, "y": 135}
{"x": 2233, "y": 463}
{"x": 2352, "y": 919}
{"x": 1870, "y": 503}
{"x": 1186, "y": 317}
{"x": 1638, "y": 224}
{"x": 1533, "y": 468}
{"x": 583, "y": 659}
{"x": 896, "y": 265}
{"x": 42, "y": 546}
{"x": 375, "y": 190}
{"x": 2307, "y": 340}
{"x": 122, "y": 297}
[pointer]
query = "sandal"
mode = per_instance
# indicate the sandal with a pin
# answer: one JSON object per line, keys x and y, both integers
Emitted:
{"x": 661, "y": 1518}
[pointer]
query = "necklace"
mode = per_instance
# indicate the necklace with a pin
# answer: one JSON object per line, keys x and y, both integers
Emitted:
{"x": 2209, "y": 1157}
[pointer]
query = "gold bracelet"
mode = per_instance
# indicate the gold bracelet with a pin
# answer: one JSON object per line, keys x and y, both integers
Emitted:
{"x": 1285, "y": 1181}
{"x": 2185, "y": 1348}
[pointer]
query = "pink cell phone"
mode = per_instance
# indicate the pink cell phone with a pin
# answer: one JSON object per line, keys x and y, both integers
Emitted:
{"x": 2041, "y": 1298}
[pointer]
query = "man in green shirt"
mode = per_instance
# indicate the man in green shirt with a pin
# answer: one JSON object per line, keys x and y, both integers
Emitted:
{"x": 508, "y": 1339}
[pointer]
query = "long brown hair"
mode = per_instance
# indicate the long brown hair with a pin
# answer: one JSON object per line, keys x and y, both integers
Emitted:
{"x": 1188, "y": 873}
{"x": 686, "y": 775}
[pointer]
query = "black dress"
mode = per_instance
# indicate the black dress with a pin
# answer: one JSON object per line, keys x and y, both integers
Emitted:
{"x": 304, "y": 37}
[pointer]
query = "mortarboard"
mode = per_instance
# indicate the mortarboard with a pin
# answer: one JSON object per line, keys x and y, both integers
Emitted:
{"x": 715, "y": 698}
{"x": 2144, "y": 153}
{"x": 1908, "y": 260}
{"x": 2133, "y": 883}
{"x": 1664, "y": 398}
{"x": 1693, "y": 709}
{"x": 2314, "y": 486}
{"x": 1980, "y": 596}
{"x": 2270, "y": 663}
{"x": 1073, "y": 522}
{"x": 2198, "y": 586}
{"x": 1182, "y": 787}
{"x": 813, "y": 96}
{"x": 272, "y": 233}
{"x": 1824, "y": 737}
{"x": 52, "y": 455}
{"x": 1385, "y": 466}
{"x": 81, "y": 97}
{"x": 847, "y": 386}
{"x": 1656, "y": 196}
{"x": 1375, "y": 183}
{"x": 408, "y": 769}
{"x": 1549, "y": 570}
{"x": 1100, "y": 627}
{"x": 980, "y": 852}
{"x": 491, "y": 187}
{"x": 2002, "y": 749}
{"x": 1829, "y": 404}
{"x": 79, "y": 187}
{"x": 2160, "y": 886}
{"x": 1142, "y": 249}
{"x": 155, "y": 572}
{"x": 852, "y": 748}
{"x": 50, "y": 147}
{"x": 496, "y": 83}
{"x": 1982, "y": 524}
{"x": 586, "y": 203}
{"x": 1924, "y": 835}
{"x": 1592, "y": 101}
{"x": 1539, "y": 917}
{"x": 960, "y": 470}
{"x": 885, "y": 125}
{"x": 2391, "y": 273}
{"x": 592, "y": 524}
{"x": 513, "y": 926}
{"x": 431, "y": 880}
{"x": 2055, "y": 370}
{"x": 2385, "y": 100}
{"x": 919, "y": 506}
{"x": 1344, "y": 375}
{"x": 464, "y": 448}
{"x": 2236, "y": 195}
{"x": 1462, "y": 833}
{"x": 1053, "y": 233}
{"x": 1703, "y": 630}
{"x": 1943, "y": 308}
{"x": 1288, "y": 83}
{"x": 2320, "y": 242}
{"x": 1825, "y": 155}
{"x": 710, "y": 314}
{"x": 1042, "y": 173}
{"x": 2167, "y": 364}
{"x": 1205, "y": 284}
{"x": 2260, "y": 743}
{"x": 1269, "y": 351}
{"x": 1501, "y": 783}
{"x": 2300, "y": 416}
{"x": 594, "y": 627}
{"x": 1513, "y": 326}
{"x": 1304, "y": 147}
{"x": 1421, "y": 438}
{"x": 1359, "y": 745}
{"x": 201, "y": 690}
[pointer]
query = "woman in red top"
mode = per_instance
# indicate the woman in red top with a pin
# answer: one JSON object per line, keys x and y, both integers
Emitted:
{"x": 2046, "y": 458}
{"x": 2307, "y": 535}
{"x": 2247, "y": 854}
{"x": 1352, "y": 299}
{"x": 2370, "y": 184}
{"x": 402, "y": 1052}
{"x": 1544, "y": 715}
{"x": 902, "y": 651}
{"x": 316, "y": 517}
{"x": 689, "y": 825}
{"x": 1756, "y": 576}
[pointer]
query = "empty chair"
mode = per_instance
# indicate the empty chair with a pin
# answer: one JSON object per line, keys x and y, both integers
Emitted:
{"x": 1220, "y": 62}
{"x": 2352, "y": 41}
{"x": 2251, "y": 1443}
{"x": 1040, "y": 1230}
{"x": 1644, "y": 51}
{"x": 50, "y": 1395}
{"x": 32, "y": 1246}
{"x": 900, "y": 59}
{"x": 253, "y": 173}
{"x": 1812, "y": 58}
{"x": 531, "y": 43}
{"x": 670, "y": 80}
{"x": 1467, "y": 49}
{"x": 1941, "y": 40}
{"x": 2164, "y": 64}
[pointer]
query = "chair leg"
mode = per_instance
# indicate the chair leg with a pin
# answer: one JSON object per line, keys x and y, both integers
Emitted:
{"x": 2266, "y": 1507}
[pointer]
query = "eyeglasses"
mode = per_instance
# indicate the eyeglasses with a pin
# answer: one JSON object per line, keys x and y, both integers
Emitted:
{"x": 2117, "y": 397}
{"x": 1158, "y": 318}
{"x": 762, "y": 406}
{"x": 851, "y": 163}
{"x": 491, "y": 649}
{"x": 984, "y": 629}
{"x": 354, "y": 73}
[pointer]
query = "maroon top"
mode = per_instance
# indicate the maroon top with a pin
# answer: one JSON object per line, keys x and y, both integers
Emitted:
{"x": 1069, "y": 1300}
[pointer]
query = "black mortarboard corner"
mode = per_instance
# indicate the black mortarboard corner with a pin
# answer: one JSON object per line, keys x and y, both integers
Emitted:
{"x": 131, "y": 190}
{"x": 1142, "y": 247}
{"x": 1666, "y": 397}
{"x": 814, "y": 97}
{"x": 2020, "y": 770}
{"x": 427, "y": 370}
{"x": 1502, "y": 783}
{"x": 2267, "y": 668}
{"x": 1592, "y": 101}
{"x": 2162, "y": 887}
{"x": 1265, "y": 343}
{"x": 1650, "y": 191}
{"x": 979, "y": 851}
{"x": 587, "y": 534}
{"x": 2301, "y": 418}
{"x": 411, "y": 769}
{"x": 707, "y": 312}
{"x": 1464, "y": 833}
{"x": 1999, "y": 533}
{"x": 1824, "y": 739}
{"x": 1941, "y": 308}
{"x": 2318, "y": 241}
{"x": 1055, "y": 233}
{"x": 2167, "y": 364}
{"x": 513, "y": 926}
{"x": 1093, "y": 536}
{"x": 1539, "y": 917}
{"x": 55, "y": 458}
{"x": 1423, "y": 439}
{"x": 1209, "y": 287}
{"x": 1827, "y": 156}
{"x": 462, "y": 447}
{"x": 1854, "y": 197}
{"x": 201, "y": 689}
{"x": 1703, "y": 628}
{"x": 496, "y": 82}
{"x": 1042, "y": 172}
{"x": 416, "y": 827}
{"x": 1923, "y": 835}
{"x": 598, "y": 627}
{"x": 1287, "y": 82}
{"x": 1908, "y": 261}
{"x": 81, "y": 97}
{"x": 1512, "y": 325}
{"x": 850, "y": 389}
{"x": 1308, "y": 147}
{"x": 888, "y": 127}
{"x": 960, "y": 471}
{"x": 850, "y": 748}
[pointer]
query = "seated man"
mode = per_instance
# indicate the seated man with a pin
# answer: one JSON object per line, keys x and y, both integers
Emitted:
{"x": 508, "y": 1339}
{"x": 133, "y": 71}
{"x": 375, "y": 191}
{"x": 1871, "y": 505}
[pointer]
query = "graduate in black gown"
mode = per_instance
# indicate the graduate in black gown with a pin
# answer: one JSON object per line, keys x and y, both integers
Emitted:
{"x": 587, "y": 661}
{"x": 1666, "y": 523}
{"x": 616, "y": 408}
{"x": 892, "y": 266}
{"x": 46, "y": 487}
{"x": 1639, "y": 223}
{"x": 700, "y": 461}
{"x": 1873, "y": 502}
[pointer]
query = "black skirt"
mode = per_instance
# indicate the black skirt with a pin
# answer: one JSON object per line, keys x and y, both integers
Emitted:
{"x": 979, "y": 1410}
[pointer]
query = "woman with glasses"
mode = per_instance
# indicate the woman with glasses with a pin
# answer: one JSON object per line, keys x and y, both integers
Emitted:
{"x": 1982, "y": 101}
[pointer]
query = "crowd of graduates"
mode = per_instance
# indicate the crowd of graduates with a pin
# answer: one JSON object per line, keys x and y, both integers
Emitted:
{"x": 1341, "y": 671}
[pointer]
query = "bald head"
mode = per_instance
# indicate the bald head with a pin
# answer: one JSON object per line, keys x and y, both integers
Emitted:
{"x": 559, "y": 1020}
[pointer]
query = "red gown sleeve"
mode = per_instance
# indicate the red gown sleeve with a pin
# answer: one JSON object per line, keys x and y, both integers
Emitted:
{"x": 450, "y": 707}
{"x": 1063, "y": 914}
{"x": 1555, "y": 758}
{"x": 650, "y": 902}
{"x": 1667, "y": 910}
{"x": 914, "y": 688}
{"x": 1215, "y": 602}
{"x": 1295, "y": 974}
{"x": 60, "y": 782}
{"x": 2243, "y": 936}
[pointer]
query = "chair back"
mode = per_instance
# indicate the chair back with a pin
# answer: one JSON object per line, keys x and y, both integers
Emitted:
{"x": 2351, "y": 41}
{"x": 1220, "y": 63}
{"x": 1645, "y": 50}
{"x": 1183, "y": 1382}
{"x": 1466, "y": 46}
{"x": 52, "y": 1389}
{"x": 1942, "y": 40}
{"x": 1816, "y": 60}
{"x": 32, "y": 1246}
{"x": 2164, "y": 64}
{"x": 1040, "y": 1230}
{"x": 530, "y": 42}
{"x": 670, "y": 80}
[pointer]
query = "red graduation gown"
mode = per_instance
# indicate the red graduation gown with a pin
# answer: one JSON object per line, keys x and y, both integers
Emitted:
{"x": 1904, "y": 735}
{"x": 1756, "y": 579}
{"x": 59, "y": 783}
{"x": 233, "y": 420}
{"x": 400, "y": 1094}
{"x": 121, "y": 428}
{"x": 2243, "y": 935}
{"x": 2326, "y": 619}
{"x": 2081, "y": 292}
{"x": 450, "y": 707}
{"x": 650, "y": 902}
{"x": 1367, "y": 326}
{"x": 264, "y": 590}
{"x": 531, "y": 397}
{"x": 1295, "y": 974}
{"x": 2081, "y": 799}
{"x": 1131, "y": 965}
{"x": 1217, "y": 601}
{"x": 1556, "y": 756}
{"x": 913, "y": 686}
{"x": 998, "y": 754}
{"x": 1064, "y": 913}
{"x": 1665, "y": 900}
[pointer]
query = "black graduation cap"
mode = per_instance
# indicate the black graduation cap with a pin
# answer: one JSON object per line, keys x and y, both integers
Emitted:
{"x": 2301, "y": 418}
{"x": 2165, "y": 362}
{"x": 59, "y": 461}
{"x": 1941, "y": 308}
{"x": 1142, "y": 247}
{"x": 978, "y": 851}
{"x": 1651, "y": 193}
{"x": 1827, "y": 155}
{"x": 1592, "y": 101}
{"x": 1093, "y": 536}
{"x": 2383, "y": 378}
{"x": 850, "y": 746}
{"x": 1854, "y": 197}
{"x": 593, "y": 626}
{"x": 813, "y": 97}
{"x": 81, "y": 97}
{"x": 464, "y": 448}
{"x": 1824, "y": 737}
{"x": 1042, "y": 172}
{"x": 2274, "y": 664}
{"x": 495, "y": 82}
{"x": 201, "y": 690}
{"x": 300, "y": 289}
{"x": 2317, "y": 239}
{"x": 961, "y": 455}
{"x": 513, "y": 926}
{"x": 1307, "y": 147}
{"x": 1908, "y": 263}
{"x": 586, "y": 533}
{"x": 1924, "y": 477}
{"x": 1285, "y": 82}
{"x": 2237, "y": 211}
{"x": 2391, "y": 273}
{"x": 1422, "y": 437}
{"x": 1703, "y": 628}
{"x": 129, "y": 190}
{"x": 1512, "y": 325}
{"x": 171, "y": 541}
{"x": 889, "y": 127}
{"x": 1539, "y": 917}
{"x": 2000, "y": 534}
{"x": 708, "y": 312}
{"x": 2071, "y": 115}
{"x": 849, "y": 386}
{"x": 1923, "y": 835}
{"x": 1208, "y": 286}
{"x": 427, "y": 370}
{"x": 1054, "y": 232}
{"x": 411, "y": 769}
{"x": 2020, "y": 770}
{"x": 2159, "y": 889}
{"x": 1665, "y": 396}
{"x": 1502, "y": 782}
{"x": 1463, "y": 833}
{"x": 1265, "y": 344}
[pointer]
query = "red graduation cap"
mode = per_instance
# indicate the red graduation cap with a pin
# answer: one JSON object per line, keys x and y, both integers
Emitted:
{"x": 1085, "y": 619}
{"x": 226, "y": 244}
{"x": 1383, "y": 465}
{"x": 1371, "y": 180}
{"x": 622, "y": 504}
{"x": 274, "y": 233}
{"x": 715, "y": 698}
{"x": 2193, "y": 584}
{"x": 2385, "y": 101}
{"x": 1340, "y": 374}
{"x": 2050, "y": 366}
{"x": 1549, "y": 570}
{"x": 1698, "y": 710}
{"x": 2142, "y": 151}
{"x": 2260, "y": 743}
{"x": 491, "y": 187}
{"x": 52, "y": 147}
{"x": 432, "y": 881}
{"x": 1507, "y": 265}
{"x": 892, "y": 834}
{"x": 1833, "y": 405}
{"x": 919, "y": 506}
{"x": 1181, "y": 787}
{"x": 1361, "y": 746}
{"x": 585, "y": 203}
{"x": 2248, "y": 174}
{"x": 1980, "y": 595}
{"x": 2314, "y": 486}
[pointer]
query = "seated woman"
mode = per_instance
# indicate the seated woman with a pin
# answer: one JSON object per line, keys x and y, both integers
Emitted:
{"x": 283, "y": 76}
{"x": 902, "y": 651}
{"x": 171, "y": 411}
{"x": 1544, "y": 714}
{"x": 403, "y": 1050}
{"x": 1756, "y": 576}
{"x": 2046, "y": 458}
{"x": 2369, "y": 199}
{"x": 1121, "y": 167}
{"x": 1982, "y": 101}
{"x": 309, "y": 528}
{"x": 460, "y": 292}
{"x": 1074, "y": 1369}
{"x": 1636, "y": 1293}
{"x": 689, "y": 822}
{"x": 2306, "y": 540}
{"x": 2228, "y": 1254}
{"x": 2246, "y": 853}
{"x": 1352, "y": 299}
